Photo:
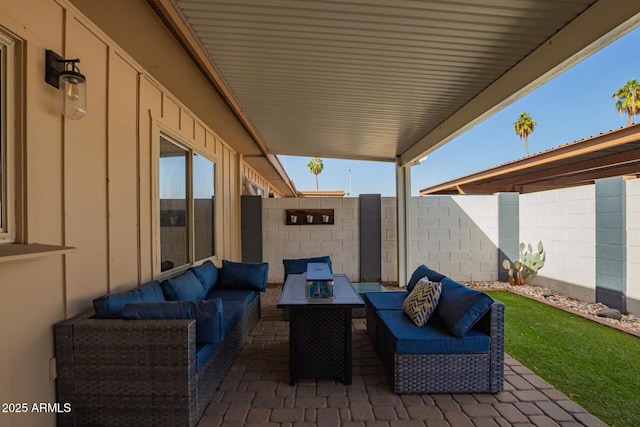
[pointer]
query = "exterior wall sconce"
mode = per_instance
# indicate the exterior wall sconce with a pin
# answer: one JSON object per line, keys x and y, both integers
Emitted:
{"x": 65, "y": 75}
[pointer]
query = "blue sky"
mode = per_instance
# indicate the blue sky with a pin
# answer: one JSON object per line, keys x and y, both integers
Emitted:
{"x": 575, "y": 105}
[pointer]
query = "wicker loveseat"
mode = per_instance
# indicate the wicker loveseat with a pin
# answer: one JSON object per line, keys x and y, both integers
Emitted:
{"x": 459, "y": 350}
{"x": 148, "y": 364}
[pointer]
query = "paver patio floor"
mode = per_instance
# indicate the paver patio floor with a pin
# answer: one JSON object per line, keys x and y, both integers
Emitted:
{"x": 256, "y": 391}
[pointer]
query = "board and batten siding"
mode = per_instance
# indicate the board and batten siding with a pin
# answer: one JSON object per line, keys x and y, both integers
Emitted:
{"x": 90, "y": 184}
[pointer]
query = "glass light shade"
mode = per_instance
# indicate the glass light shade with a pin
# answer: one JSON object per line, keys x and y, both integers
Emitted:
{"x": 73, "y": 92}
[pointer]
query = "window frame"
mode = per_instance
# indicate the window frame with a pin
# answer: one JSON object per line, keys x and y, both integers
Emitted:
{"x": 191, "y": 150}
{"x": 8, "y": 86}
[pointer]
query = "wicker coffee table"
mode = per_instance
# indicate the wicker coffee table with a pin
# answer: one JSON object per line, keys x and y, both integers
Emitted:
{"x": 319, "y": 329}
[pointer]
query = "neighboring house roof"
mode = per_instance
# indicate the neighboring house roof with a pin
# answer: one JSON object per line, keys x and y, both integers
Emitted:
{"x": 613, "y": 153}
{"x": 321, "y": 193}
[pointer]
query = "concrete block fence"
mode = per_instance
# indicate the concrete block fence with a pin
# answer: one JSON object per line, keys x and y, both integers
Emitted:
{"x": 591, "y": 235}
{"x": 456, "y": 235}
{"x": 565, "y": 221}
{"x": 633, "y": 245}
{"x": 339, "y": 240}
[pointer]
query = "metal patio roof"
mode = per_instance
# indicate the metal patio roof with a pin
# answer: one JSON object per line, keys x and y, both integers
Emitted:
{"x": 386, "y": 79}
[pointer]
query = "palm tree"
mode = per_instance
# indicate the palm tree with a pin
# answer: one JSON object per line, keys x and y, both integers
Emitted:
{"x": 524, "y": 127}
{"x": 315, "y": 167}
{"x": 628, "y": 99}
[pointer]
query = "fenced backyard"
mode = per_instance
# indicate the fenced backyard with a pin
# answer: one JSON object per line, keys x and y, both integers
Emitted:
{"x": 465, "y": 236}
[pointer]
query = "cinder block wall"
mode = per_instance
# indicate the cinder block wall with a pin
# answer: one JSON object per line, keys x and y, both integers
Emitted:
{"x": 633, "y": 246}
{"x": 459, "y": 235}
{"x": 565, "y": 222}
{"x": 338, "y": 240}
{"x": 456, "y": 235}
{"x": 389, "y": 239}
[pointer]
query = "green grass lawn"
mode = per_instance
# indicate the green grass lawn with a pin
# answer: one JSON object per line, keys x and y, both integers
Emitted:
{"x": 595, "y": 365}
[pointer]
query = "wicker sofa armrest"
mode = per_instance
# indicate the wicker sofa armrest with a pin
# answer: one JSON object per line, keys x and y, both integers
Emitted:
{"x": 497, "y": 347}
{"x": 109, "y": 341}
{"x": 123, "y": 367}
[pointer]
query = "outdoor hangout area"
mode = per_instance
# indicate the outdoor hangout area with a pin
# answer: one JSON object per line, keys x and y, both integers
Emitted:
{"x": 257, "y": 390}
{"x": 160, "y": 265}
{"x": 437, "y": 358}
{"x": 215, "y": 347}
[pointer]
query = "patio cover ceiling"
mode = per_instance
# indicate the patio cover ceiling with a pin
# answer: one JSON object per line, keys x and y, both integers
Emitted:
{"x": 614, "y": 153}
{"x": 387, "y": 80}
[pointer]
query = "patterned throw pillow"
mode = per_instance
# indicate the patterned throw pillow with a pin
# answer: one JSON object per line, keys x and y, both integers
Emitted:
{"x": 422, "y": 301}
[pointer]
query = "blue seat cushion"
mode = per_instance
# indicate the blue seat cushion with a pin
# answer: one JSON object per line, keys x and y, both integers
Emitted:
{"x": 461, "y": 307}
{"x": 208, "y": 315}
{"x": 386, "y": 300}
{"x": 207, "y": 274}
{"x": 243, "y": 275}
{"x": 111, "y": 306}
{"x": 228, "y": 294}
{"x": 233, "y": 310}
{"x": 299, "y": 265}
{"x": 431, "y": 338}
{"x": 185, "y": 287}
{"x": 204, "y": 353}
{"x": 421, "y": 272}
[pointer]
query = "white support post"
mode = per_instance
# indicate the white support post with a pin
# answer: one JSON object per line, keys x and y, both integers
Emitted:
{"x": 403, "y": 206}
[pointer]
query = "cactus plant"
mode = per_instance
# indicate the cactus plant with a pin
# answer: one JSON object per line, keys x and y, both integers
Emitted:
{"x": 527, "y": 266}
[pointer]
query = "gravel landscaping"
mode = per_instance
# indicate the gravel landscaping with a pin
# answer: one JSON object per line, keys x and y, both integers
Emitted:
{"x": 629, "y": 322}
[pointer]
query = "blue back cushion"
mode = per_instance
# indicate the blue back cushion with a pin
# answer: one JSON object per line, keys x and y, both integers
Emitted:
{"x": 299, "y": 265}
{"x": 185, "y": 287}
{"x": 207, "y": 273}
{"x": 421, "y": 272}
{"x": 111, "y": 306}
{"x": 208, "y": 314}
{"x": 460, "y": 307}
{"x": 150, "y": 292}
{"x": 243, "y": 275}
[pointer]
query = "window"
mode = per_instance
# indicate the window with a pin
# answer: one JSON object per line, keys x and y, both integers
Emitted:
{"x": 187, "y": 205}
{"x": 258, "y": 191}
{"x": 7, "y": 86}
{"x": 203, "y": 206}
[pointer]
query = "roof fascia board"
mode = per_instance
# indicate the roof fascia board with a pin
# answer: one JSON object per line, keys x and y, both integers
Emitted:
{"x": 599, "y": 25}
{"x": 179, "y": 25}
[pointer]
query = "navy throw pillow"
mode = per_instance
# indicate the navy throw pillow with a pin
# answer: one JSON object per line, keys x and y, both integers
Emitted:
{"x": 184, "y": 287}
{"x": 421, "y": 272}
{"x": 207, "y": 273}
{"x": 111, "y": 306}
{"x": 243, "y": 275}
{"x": 460, "y": 307}
{"x": 208, "y": 314}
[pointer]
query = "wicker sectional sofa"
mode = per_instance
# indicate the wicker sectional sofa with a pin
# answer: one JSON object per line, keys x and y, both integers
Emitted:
{"x": 459, "y": 350}
{"x": 138, "y": 359}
